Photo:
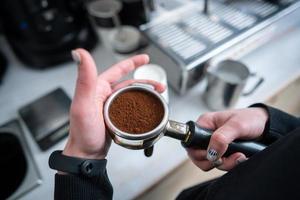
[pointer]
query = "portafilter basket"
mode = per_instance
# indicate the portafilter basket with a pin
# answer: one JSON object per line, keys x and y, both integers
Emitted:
{"x": 190, "y": 134}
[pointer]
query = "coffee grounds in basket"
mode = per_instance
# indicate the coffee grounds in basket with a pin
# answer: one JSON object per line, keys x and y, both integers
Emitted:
{"x": 136, "y": 111}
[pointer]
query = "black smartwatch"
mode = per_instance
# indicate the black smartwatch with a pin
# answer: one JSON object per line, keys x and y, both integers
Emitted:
{"x": 77, "y": 166}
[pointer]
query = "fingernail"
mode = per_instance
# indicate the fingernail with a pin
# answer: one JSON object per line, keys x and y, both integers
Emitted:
{"x": 240, "y": 160}
{"x": 76, "y": 56}
{"x": 212, "y": 155}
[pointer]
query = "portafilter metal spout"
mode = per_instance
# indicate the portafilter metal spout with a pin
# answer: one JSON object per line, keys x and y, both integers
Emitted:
{"x": 192, "y": 135}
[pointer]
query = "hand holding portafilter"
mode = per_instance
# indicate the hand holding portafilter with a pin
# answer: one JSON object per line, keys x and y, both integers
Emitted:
{"x": 190, "y": 134}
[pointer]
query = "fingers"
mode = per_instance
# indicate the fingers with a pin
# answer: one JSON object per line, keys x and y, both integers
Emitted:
{"x": 218, "y": 142}
{"x": 87, "y": 75}
{"x": 197, "y": 154}
{"x": 225, "y": 163}
{"x": 221, "y": 138}
{"x": 231, "y": 161}
{"x": 119, "y": 70}
{"x": 228, "y": 125}
{"x": 207, "y": 120}
{"x": 199, "y": 159}
{"x": 157, "y": 86}
{"x": 205, "y": 165}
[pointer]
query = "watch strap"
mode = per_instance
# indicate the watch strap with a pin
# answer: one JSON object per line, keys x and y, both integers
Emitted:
{"x": 77, "y": 166}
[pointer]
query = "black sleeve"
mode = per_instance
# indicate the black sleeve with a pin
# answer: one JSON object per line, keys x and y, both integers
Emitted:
{"x": 278, "y": 125}
{"x": 79, "y": 187}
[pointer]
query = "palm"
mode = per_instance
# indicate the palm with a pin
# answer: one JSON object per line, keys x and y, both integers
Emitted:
{"x": 92, "y": 121}
{"x": 89, "y": 126}
{"x": 96, "y": 125}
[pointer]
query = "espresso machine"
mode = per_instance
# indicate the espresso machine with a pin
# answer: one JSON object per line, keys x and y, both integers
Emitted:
{"x": 3, "y": 65}
{"x": 3, "y": 60}
{"x": 188, "y": 35}
{"x": 42, "y": 33}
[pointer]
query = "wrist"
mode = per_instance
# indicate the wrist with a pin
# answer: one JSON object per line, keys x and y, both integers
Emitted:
{"x": 263, "y": 113}
{"x": 66, "y": 165}
{"x": 74, "y": 150}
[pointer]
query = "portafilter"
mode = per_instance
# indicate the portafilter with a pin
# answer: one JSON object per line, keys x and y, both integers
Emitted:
{"x": 190, "y": 134}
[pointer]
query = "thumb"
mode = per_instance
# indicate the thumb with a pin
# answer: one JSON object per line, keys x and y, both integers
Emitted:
{"x": 87, "y": 75}
{"x": 221, "y": 138}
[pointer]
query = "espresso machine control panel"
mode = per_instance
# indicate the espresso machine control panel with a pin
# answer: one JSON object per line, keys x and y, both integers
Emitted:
{"x": 184, "y": 38}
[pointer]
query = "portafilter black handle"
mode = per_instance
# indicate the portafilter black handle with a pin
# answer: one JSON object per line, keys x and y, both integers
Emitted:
{"x": 199, "y": 138}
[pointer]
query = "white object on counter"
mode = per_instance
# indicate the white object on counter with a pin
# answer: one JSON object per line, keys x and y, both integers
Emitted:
{"x": 126, "y": 39}
{"x": 155, "y": 73}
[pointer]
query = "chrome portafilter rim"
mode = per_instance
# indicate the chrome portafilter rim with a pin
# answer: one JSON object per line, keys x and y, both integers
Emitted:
{"x": 156, "y": 132}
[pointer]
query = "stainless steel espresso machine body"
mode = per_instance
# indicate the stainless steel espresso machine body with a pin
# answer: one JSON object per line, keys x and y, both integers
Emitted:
{"x": 185, "y": 39}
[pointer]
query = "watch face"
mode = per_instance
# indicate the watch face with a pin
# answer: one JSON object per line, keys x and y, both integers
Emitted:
{"x": 47, "y": 118}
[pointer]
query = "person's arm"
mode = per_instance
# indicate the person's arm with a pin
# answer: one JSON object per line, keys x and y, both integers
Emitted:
{"x": 80, "y": 187}
{"x": 278, "y": 125}
{"x": 259, "y": 122}
{"x": 88, "y": 139}
{"x": 228, "y": 125}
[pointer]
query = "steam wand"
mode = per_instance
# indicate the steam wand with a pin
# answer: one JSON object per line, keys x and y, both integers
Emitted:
{"x": 205, "y": 9}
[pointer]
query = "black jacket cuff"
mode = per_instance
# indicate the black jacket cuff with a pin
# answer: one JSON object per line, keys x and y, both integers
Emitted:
{"x": 81, "y": 187}
{"x": 279, "y": 123}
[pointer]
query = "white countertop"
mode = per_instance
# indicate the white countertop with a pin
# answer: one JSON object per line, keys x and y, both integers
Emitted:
{"x": 131, "y": 172}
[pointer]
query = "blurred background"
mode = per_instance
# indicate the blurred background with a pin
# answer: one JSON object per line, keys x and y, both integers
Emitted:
{"x": 189, "y": 43}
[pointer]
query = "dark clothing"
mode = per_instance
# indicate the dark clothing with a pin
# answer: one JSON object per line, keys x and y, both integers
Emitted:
{"x": 270, "y": 174}
{"x": 82, "y": 188}
{"x": 278, "y": 125}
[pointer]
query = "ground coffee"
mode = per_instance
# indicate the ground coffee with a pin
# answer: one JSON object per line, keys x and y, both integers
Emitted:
{"x": 136, "y": 111}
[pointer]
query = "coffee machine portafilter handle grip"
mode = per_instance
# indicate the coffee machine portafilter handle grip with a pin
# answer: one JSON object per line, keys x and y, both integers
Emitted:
{"x": 199, "y": 137}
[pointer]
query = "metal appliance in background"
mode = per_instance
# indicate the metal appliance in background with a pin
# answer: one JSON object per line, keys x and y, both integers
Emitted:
{"x": 3, "y": 66}
{"x": 18, "y": 170}
{"x": 133, "y": 12}
{"x": 42, "y": 33}
{"x": 117, "y": 37}
{"x": 3, "y": 60}
{"x": 227, "y": 80}
{"x": 184, "y": 38}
